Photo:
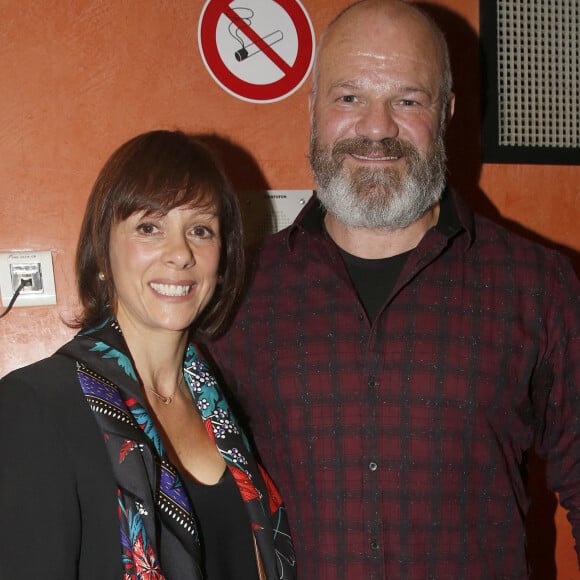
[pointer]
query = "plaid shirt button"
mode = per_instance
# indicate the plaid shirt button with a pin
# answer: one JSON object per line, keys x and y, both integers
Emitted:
{"x": 373, "y": 466}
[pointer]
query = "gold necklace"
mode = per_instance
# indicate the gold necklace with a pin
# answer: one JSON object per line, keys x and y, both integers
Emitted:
{"x": 167, "y": 400}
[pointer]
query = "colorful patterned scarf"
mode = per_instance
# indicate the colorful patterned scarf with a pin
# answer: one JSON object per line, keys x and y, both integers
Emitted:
{"x": 159, "y": 535}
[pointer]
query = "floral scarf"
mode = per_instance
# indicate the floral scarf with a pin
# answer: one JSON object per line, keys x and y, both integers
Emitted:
{"x": 158, "y": 529}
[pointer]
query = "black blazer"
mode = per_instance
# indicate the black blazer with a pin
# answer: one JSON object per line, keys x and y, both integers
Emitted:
{"x": 58, "y": 511}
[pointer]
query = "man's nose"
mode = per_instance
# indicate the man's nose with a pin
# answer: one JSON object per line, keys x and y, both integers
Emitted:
{"x": 377, "y": 122}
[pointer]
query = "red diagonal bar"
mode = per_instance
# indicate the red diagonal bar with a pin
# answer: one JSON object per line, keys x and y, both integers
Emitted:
{"x": 257, "y": 40}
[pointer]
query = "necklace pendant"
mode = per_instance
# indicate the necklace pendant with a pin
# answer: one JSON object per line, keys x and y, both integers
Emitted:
{"x": 165, "y": 400}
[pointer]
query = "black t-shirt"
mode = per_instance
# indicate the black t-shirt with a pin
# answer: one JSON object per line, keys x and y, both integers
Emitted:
{"x": 373, "y": 279}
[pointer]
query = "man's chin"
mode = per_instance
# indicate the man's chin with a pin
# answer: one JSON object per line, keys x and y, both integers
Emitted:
{"x": 384, "y": 190}
{"x": 377, "y": 176}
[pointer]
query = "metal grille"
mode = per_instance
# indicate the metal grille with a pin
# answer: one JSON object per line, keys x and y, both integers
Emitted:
{"x": 538, "y": 73}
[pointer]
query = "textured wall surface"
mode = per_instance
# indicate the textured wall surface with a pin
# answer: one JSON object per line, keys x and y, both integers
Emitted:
{"x": 79, "y": 77}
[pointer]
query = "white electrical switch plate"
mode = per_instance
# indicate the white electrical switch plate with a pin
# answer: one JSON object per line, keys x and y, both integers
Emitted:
{"x": 33, "y": 267}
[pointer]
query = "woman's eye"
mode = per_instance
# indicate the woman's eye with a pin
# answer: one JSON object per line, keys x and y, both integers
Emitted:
{"x": 147, "y": 228}
{"x": 202, "y": 232}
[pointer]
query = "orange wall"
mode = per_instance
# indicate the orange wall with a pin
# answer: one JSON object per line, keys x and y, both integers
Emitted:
{"x": 80, "y": 77}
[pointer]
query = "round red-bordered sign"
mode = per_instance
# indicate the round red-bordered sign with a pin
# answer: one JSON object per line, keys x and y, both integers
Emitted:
{"x": 257, "y": 50}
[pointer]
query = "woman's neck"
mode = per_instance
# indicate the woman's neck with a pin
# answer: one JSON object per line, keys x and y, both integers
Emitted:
{"x": 157, "y": 356}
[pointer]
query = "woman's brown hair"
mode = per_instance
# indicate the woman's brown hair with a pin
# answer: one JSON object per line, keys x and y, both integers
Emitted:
{"x": 157, "y": 172}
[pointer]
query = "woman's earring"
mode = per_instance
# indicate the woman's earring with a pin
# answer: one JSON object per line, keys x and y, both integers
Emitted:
{"x": 101, "y": 277}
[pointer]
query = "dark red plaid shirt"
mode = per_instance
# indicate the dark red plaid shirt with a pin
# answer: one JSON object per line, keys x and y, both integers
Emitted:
{"x": 400, "y": 446}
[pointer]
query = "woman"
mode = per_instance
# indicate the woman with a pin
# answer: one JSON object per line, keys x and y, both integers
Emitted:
{"x": 121, "y": 457}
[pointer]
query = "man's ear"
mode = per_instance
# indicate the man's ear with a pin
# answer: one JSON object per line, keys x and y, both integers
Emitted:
{"x": 311, "y": 102}
{"x": 450, "y": 107}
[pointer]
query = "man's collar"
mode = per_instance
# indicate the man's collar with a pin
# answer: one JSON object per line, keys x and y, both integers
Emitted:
{"x": 454, "y": 217}
{"x": 448, "y": 223}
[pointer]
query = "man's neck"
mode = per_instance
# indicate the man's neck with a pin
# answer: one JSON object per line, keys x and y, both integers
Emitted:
{"x": 380, "y": 243}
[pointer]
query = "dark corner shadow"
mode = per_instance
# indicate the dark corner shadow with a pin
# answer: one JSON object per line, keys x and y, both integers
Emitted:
{"x": 464, "y": 162}
{"x": 239, "y": 164}
{"x": 464, "y": 134}
{"x": 249, "y": 182}
{"x": 463, "y": 138}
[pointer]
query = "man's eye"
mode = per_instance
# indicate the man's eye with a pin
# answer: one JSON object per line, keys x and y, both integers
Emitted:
{"x": 347, "y": 99}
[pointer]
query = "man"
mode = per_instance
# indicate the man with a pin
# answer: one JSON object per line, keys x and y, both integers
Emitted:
{"x": 397, "y": 355}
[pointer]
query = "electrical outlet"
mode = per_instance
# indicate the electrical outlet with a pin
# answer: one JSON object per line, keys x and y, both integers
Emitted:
{"x": 35, "y": 268}
{"x": 31, "y": 273}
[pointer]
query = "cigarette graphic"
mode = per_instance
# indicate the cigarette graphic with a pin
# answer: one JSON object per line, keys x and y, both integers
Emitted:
{"x": 251, "y": 49}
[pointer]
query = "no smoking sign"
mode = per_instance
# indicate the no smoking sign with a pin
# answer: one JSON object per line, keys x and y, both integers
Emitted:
{"x": 257, "y": 50}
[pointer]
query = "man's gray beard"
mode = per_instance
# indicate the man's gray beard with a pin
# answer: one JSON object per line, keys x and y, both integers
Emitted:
{"x": 379, "y": 198}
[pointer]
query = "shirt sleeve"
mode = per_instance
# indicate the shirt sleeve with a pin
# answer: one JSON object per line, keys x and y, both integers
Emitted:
{"x": 556, "y": 390}
{"x": 40, "y": 531}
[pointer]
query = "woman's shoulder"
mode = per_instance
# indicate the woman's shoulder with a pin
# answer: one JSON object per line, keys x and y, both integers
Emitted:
{"x": 46, "y": 397}
{"x": 50, "y": 385}
{"x": 48, "y": 375}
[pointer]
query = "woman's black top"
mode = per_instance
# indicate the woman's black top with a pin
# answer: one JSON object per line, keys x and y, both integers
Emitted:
{"x": 226, "y": 536}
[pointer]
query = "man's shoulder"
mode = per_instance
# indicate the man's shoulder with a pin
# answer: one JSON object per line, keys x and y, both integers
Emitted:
{"x": 525, "y": 253}
{"x": 274, "y": 244}
{"x": 289, "y": 244}
{"x": 492, "y": 231}
{"x": 307, "y": 224}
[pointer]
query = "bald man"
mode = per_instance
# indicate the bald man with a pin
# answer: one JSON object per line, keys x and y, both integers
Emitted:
{"x": 397, "y": 354}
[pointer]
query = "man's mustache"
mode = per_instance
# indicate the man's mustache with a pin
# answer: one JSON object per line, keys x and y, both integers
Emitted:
{"x": 389, "y": 147}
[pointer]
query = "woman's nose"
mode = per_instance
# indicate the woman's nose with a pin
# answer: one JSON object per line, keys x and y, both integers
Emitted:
{"x": 179, "y": 252}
